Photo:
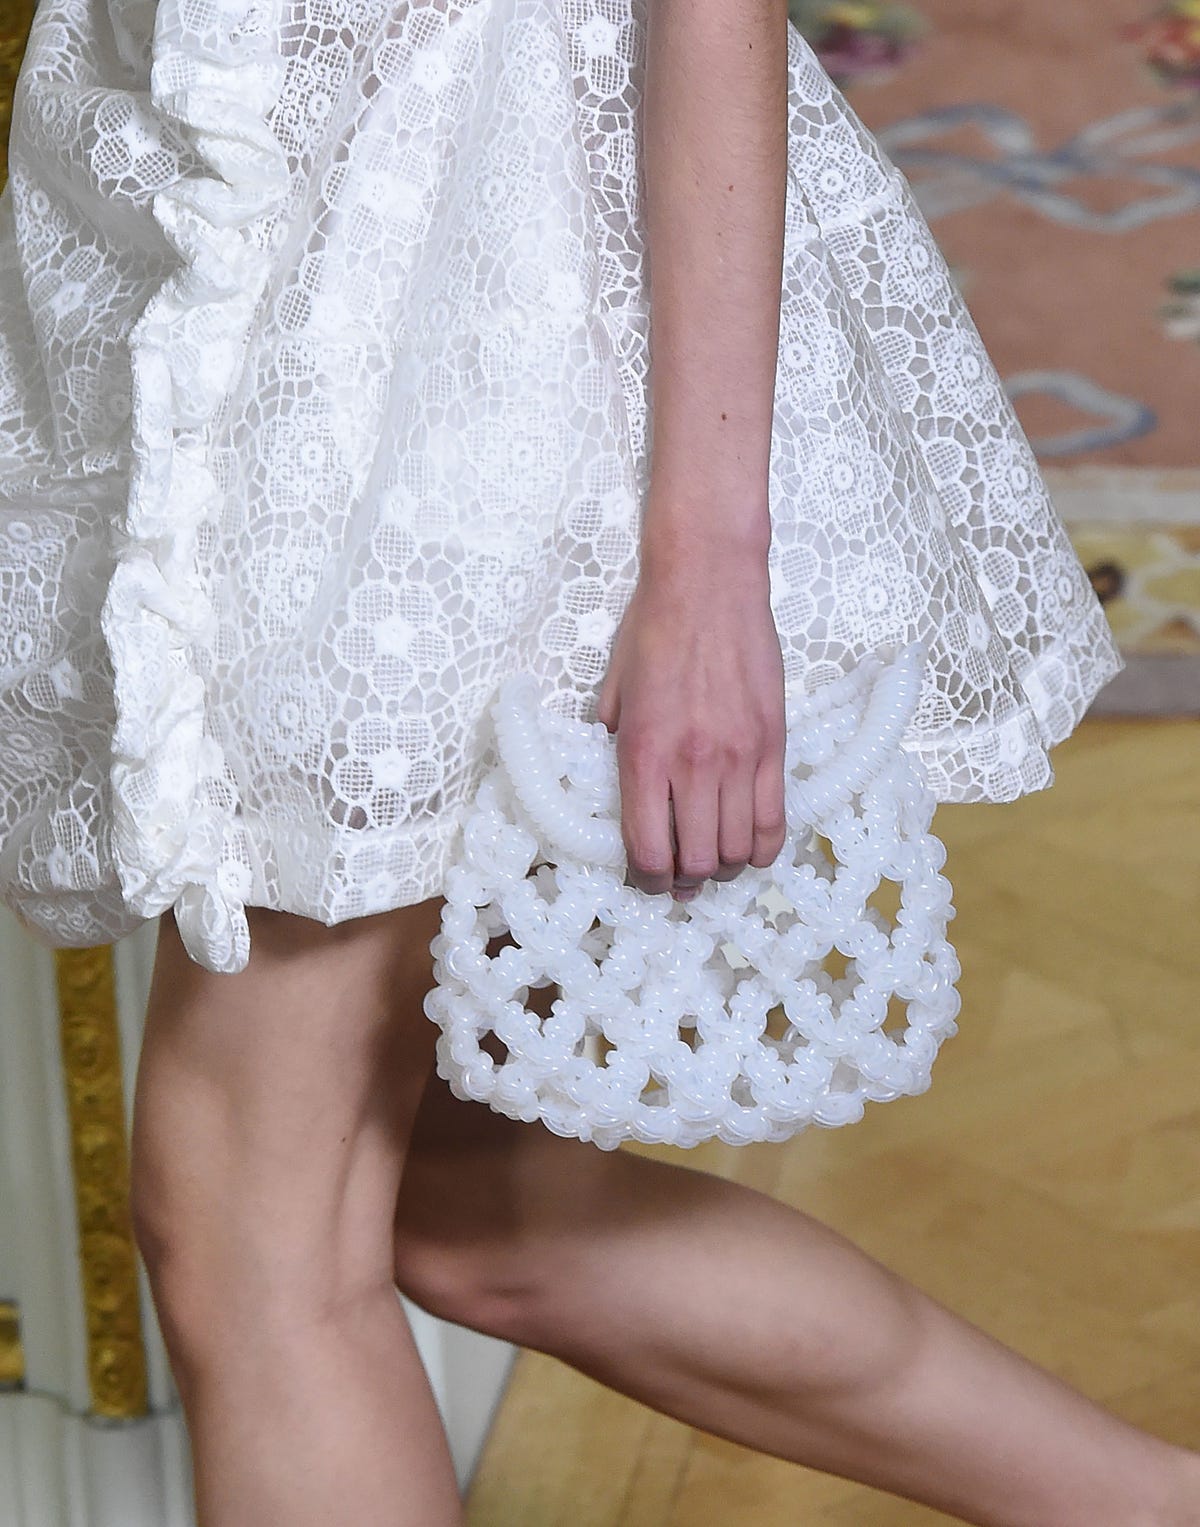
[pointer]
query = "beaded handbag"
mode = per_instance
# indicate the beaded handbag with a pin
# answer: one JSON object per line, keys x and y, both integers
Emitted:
{"x": 718, "y": 1017}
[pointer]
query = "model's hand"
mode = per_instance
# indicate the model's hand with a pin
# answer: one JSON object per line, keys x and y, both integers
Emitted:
{"x": 694, "y": 693}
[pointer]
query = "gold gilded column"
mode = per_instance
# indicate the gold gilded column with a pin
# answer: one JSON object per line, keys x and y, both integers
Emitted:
{"x": 15, "y": 17}
{"x": 12, "y": 1358}
{"x": 91, "y": 1053}
{"x": 91, "y": 1056}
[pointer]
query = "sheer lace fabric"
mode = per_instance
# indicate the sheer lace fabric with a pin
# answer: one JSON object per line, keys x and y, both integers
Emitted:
{"x": 324, "y": 346}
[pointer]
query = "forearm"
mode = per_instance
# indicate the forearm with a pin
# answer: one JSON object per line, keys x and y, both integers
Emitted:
{"x": 715, "y": 156}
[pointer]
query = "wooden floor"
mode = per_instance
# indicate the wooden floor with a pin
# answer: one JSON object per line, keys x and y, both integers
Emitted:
{"x": 1047, "y": 1187}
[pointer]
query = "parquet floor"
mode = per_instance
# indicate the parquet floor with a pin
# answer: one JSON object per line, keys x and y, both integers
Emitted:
{"x": 1048, "y": 1186}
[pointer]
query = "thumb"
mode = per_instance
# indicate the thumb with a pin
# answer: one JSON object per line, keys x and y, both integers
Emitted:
{"x": 608, "y": 705}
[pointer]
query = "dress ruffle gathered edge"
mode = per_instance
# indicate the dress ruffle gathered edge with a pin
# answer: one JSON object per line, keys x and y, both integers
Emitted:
{"x": 215, "y": 87}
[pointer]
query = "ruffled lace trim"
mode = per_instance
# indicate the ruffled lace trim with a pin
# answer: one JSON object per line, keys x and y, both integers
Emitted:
{"x": 216, "y": 73}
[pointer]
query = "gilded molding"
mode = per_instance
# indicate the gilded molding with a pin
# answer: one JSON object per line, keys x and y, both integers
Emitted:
{"x": 12, "y": 1356}
{"x": 91, "y": 1055}
{"x": 14, "y": 32}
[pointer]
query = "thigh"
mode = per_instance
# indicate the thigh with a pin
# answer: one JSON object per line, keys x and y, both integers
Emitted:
{"x": 273, "y": 1107}
{"x": 476, "y": 1180}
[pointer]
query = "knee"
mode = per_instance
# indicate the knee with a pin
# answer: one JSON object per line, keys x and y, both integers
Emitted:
{"x": 468, "y": 1280}
{"x": 162, "y": 1222}
{"x": 182, "y": 1274}
{"x": 223, "y": 1272}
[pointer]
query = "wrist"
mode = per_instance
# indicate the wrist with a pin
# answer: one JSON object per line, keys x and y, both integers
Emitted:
{"x": 729, "y": 530}
{"x": 695, "y": 551}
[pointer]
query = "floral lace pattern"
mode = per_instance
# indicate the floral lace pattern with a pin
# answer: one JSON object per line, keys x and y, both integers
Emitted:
{"x": 324, "y": 345}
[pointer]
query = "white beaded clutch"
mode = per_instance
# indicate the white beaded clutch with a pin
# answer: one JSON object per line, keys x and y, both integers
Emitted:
{"x": 781, "y": 998}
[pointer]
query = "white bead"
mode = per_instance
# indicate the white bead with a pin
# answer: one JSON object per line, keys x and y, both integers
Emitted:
{"x": 542, "y": 859}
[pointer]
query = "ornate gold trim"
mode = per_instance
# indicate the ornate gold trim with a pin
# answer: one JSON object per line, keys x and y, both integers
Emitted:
{"x": 91, "y": 1054}
{"x": 14, "y": 34}
{"x": 12, "y": 1355}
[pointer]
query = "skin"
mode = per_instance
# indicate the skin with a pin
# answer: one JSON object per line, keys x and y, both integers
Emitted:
{"x": 694, "y": 687}
{"x": 272, "y": 1111}
{"x": 295, "y": 1159}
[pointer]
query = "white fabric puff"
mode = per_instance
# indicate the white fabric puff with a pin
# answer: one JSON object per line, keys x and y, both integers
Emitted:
{"x": 323, "y": 362}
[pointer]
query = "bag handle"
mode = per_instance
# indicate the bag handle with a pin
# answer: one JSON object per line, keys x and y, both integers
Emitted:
{"x": 887, "y": 691}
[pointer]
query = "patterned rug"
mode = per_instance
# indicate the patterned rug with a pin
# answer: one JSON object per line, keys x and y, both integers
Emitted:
{"x": 1054, "y": 146}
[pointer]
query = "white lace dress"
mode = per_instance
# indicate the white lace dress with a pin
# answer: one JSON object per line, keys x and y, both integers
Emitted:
{"x": 323, "y": 382}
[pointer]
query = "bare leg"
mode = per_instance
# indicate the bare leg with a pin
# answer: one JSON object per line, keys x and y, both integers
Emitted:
{"x": 271, "y": 1117}
{"x": 719, "y": 1306}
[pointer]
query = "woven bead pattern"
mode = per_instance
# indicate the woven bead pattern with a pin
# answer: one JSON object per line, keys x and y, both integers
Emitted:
{"x": 542, "y": 862}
